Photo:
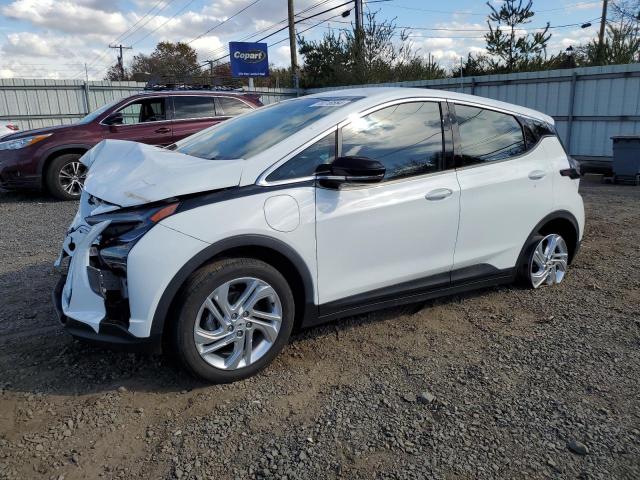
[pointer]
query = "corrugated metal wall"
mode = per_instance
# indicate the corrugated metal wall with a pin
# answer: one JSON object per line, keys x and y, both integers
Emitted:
{"x": 606, "y": 101}
{"x": 42, "y": 103}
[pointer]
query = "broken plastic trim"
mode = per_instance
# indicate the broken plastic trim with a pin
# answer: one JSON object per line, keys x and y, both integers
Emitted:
{"x": 126, "y": 228}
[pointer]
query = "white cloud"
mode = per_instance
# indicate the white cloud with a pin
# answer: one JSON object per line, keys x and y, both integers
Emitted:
{"x": 66, "y": 16}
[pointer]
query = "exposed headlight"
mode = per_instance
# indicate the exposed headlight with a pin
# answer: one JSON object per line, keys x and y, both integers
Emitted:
{"x": 22, "y": 142}
{"x": 126, "y": 228}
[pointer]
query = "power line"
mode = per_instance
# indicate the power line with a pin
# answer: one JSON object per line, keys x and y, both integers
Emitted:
{"x": 462, "y": 12}
{"x": 164, "y": 23}
{"x": 218, "y": 51}
{"x": 119, "y": 37}
{"x": 223, "y": 22}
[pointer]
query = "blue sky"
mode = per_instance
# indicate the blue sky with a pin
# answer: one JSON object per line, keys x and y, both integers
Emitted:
{"x": 55, "y": 38}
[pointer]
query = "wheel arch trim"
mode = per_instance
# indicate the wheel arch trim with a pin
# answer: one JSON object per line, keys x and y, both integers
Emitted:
{"x": 165, "y": 303}
{"x": 60, "y": 150}
{"x": 557, "y": 215}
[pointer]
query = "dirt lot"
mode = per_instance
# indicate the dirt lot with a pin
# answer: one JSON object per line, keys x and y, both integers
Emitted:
{"x": 502, "y": 383}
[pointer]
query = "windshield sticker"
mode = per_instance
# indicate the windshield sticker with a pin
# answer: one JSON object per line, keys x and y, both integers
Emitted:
{"x": 330, "y": 103}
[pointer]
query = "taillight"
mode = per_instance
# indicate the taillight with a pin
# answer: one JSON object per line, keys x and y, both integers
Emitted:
{"x": 15, "y": 128}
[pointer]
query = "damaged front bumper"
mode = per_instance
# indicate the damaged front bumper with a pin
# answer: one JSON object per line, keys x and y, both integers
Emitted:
{"x": 91, "y": 302}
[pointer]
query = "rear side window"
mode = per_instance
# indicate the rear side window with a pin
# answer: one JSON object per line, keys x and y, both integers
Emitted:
{"x": 487, "y": 136}
{"x": 230, "y": 107}
{"x": 534, "y": 130}
{"x": 192, "y": 107}
{"x": 405, "y": 138}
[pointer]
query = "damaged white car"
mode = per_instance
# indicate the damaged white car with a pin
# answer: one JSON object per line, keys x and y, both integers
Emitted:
{"x": 309, "y": 210}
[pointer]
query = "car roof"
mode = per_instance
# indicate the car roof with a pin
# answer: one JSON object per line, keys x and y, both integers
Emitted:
{"x": 372, "y": 96}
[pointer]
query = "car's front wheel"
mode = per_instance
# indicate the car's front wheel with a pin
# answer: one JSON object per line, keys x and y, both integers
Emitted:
{"x": 65, "y": 176}
{"x": 235, "y": 315}
{"x": 547, "y": 261}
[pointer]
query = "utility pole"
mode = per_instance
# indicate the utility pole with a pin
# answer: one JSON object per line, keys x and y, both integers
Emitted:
{"x": 120, "y": 61}
{"x": 292, "y": 45}
{"x": 603, "y": 23}
{"x": 210, "y": 62}
{"x": 359, "y": 31}
{"x": 359, "y": 21}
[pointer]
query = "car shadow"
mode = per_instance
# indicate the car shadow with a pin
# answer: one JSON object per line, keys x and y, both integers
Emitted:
{"x": 37, "y": 356}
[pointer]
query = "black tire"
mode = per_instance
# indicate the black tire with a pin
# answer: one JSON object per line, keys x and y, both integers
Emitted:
{"x": 556, "y": 274}
{"x": 197, "y": 288}
{"x": 53, "y": 179}
{"x": 524, "y": 278}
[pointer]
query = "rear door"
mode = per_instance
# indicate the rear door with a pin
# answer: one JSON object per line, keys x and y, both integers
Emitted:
{"x": 192, "y": 113}
{"x": 144, "y": 120}
{"x": 506, "y": 189}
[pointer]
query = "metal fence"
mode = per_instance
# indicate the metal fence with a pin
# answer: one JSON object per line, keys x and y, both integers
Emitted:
{"x": 43, "y": 103}
{"x": 589, "y": 104}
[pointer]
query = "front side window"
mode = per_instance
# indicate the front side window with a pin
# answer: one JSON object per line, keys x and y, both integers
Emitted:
{"x": 406, "y": 138}
{"x": 141, "y": 111}
{"x": 192, "y": 107}
{"x": 259, "y": 129}
{"x": 230, "y": 107}
{"x": 487, "y": 136}
{"x": 305, "y": 163}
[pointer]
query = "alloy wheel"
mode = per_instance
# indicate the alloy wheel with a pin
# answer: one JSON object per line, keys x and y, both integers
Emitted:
{"x": 238, "y": 323}
{"x": 71, "y": 177}
{"x": 549, "y": 261}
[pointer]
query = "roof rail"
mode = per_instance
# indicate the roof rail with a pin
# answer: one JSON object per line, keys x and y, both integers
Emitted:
{"x": 155, "y": 87}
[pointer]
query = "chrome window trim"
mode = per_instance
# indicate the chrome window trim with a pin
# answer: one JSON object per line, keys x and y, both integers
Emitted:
{"x": 262, "y": 178}
{"x": 337, "y": 128}
{"x": 166, "y": 97}
{"x": 495, "y": 109}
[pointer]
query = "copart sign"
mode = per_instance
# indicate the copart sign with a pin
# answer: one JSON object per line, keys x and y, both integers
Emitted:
{"x": 249, "y": 59}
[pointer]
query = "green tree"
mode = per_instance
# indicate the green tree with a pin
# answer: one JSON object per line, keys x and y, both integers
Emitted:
{"x": 622, "y": 37}
{"x": 381, "y": 53}
{"x": 168, "y": 60}
{"x": 512, "y": 49}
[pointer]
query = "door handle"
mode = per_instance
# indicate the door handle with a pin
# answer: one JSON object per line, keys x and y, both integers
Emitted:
{"x": 537, "y": 175}
{"x": 163, "y": 130}
{"x": 438, "y": 194}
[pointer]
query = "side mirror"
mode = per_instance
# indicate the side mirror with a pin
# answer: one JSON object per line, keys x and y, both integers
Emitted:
{"x": 350, "y": 170}
{"x": 114, "y": 119}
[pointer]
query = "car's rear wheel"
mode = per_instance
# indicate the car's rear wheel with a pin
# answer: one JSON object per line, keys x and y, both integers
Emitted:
{"x": 547, "y": 261}
{"x": 235, "y": 316}
{"x": 65, "y": 176}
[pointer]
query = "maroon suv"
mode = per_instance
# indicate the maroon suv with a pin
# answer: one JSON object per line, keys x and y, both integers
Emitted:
{"x": 49, "y": 158}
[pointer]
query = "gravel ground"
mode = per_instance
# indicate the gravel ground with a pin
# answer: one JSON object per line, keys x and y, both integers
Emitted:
{"x": 501, "y": 383}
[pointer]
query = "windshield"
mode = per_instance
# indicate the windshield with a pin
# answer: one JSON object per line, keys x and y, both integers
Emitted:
{"x": 97, "y": 112}
{"x": 253, "y": 132}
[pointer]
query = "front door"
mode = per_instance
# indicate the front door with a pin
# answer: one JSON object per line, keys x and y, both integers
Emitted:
{"x": 144, "y": 120}
{"x": 396, "y": 237}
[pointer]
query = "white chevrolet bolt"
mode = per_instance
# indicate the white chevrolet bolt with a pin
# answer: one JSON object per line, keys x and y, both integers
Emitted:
{"x": 308, "y": 210}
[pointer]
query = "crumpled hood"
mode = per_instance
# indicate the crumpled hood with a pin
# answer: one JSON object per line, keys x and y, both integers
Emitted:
{"x": 129, "y": 173}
